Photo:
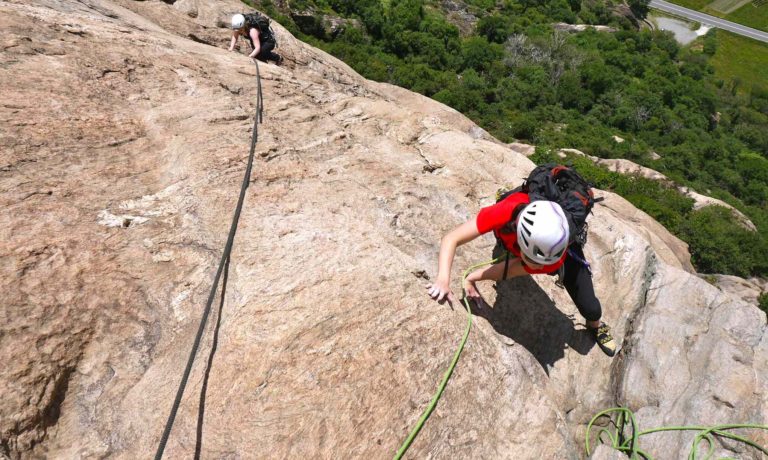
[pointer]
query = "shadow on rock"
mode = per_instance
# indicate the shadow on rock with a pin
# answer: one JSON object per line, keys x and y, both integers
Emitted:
{"x": 524, "y": 313}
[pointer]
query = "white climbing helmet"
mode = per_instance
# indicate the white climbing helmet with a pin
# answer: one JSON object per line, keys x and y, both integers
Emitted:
{"x": 542, "y": 232}
{"x": 238, "y": 21}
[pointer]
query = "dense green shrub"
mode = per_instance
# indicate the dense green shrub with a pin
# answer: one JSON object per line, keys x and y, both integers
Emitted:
{"x": 762, "y": 302}
{"x": 718, "y": 244}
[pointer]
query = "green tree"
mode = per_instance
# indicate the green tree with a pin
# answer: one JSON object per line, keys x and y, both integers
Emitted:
{"x": 762, "y": 302}
{"x": 718, "y": 244}
{"x": 524, "y": 127}
{"x": 478, "y": 54}
{"x": 495, "y": 28}
{"x": 406, "y": 14}
{"x": 710, "y": 42}
{"x": 639, "y": 8}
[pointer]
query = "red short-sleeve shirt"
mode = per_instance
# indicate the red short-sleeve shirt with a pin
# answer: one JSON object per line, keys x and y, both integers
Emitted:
{"x": 495, "y": 217}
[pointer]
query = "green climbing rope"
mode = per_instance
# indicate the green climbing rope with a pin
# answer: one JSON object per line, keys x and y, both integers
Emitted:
{"x": 630, "y": 445}
{"x": 448, "y": 372}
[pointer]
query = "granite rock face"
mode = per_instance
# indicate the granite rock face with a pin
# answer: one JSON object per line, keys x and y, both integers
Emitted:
{"x": 581, "y": 27}
{"x": 747, "y": 290}
{"x": 125, "y": 130}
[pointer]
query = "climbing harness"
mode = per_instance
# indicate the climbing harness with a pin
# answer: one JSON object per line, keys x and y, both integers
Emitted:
{"x": 630, "y": 445}
{"x": 447, "y": 376}
{"x": 223, "y": 268}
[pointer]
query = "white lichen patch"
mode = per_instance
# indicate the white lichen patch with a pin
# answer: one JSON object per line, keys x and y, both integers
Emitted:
{"x": 108, "y": 219}
{"x": 149, "y": 205}
{"x": 163, "y": 256}
{"x": 176, "y": 303}
{"x": 624, "y": 250}
{"x": 142, "y": 209}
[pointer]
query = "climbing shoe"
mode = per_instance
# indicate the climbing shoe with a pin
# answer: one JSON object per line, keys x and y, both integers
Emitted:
{"x": 279, "y": 60}
{"x": 604, "y": 339}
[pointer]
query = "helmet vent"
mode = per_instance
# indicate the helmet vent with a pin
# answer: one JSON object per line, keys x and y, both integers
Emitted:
{"x": 542, "y": 232}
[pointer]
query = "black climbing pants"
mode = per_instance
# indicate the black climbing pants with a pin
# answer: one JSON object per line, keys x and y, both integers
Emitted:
{"x": 265, "y": 52}
{"x": 577, "y": 280}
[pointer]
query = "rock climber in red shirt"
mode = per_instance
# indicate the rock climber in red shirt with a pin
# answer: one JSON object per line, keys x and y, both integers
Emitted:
{"x": 535, "y": 235}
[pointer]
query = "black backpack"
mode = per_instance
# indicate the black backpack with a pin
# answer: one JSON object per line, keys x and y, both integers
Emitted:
{"x": 563, "y": 185}
{"x": 260, "y": 22}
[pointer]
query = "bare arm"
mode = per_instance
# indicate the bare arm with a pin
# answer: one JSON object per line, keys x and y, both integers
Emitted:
{"x": 464, "y": 233}
{"x": 235, "y": 35}
{"x": 256, "y": 43}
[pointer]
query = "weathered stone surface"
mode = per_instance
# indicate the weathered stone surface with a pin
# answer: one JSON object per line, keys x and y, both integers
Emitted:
{"x": 669, "y": 248}
{"x": 581, "y": 28}
{"x": 123, "y": 144}
{"x": 701, "y": 201}
{"x": 711, "y": 371}
{"x": 459, "y": 13}
{"x": 746, "y": 290}
{"x": 524, "y": 149}
{"x": 603, "y": 452}
{"x": 761, "y": 283}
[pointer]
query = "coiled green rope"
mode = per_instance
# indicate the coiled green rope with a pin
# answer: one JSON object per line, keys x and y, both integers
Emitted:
{"x": 630, "y": 445}
{"x": 448, "y": 372}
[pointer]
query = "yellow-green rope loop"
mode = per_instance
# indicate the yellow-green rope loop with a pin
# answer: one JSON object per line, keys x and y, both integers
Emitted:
{"x": 632, "y": 448}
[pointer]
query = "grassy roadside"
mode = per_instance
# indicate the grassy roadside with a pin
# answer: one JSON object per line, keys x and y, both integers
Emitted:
{"x": 738, "y": 59}
{"x": 741, "y": 60}
{"x": 748, "y": 15}
{"x": 697, "y": 5}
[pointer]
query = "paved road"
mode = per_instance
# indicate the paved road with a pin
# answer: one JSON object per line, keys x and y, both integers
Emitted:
{"x": 710, "y": 20}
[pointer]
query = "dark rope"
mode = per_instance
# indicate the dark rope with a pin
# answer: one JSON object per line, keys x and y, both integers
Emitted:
{"x": 214, "y": 346}
{"x": 222, "y": 264}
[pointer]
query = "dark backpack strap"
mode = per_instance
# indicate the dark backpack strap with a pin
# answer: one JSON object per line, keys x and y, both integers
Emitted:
{"x": 510, "y": 226}
{"x": 261, "y": 23}
{"x": 504, "y": 192}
